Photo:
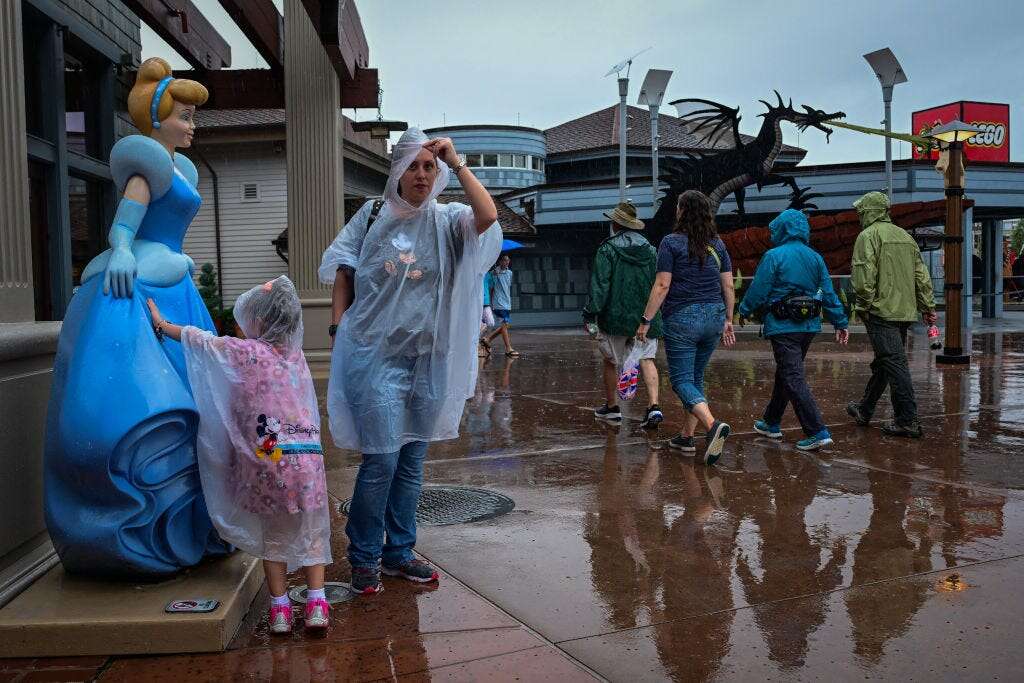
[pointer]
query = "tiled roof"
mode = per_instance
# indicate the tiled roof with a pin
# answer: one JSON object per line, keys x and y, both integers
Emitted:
{"x": 239, "y": 118}
{"x": 600, "y": 130}
{"x": 511, "y": 223}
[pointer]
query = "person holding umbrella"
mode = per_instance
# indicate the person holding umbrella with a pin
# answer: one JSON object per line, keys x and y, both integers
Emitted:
{"x": 499, "y": 282}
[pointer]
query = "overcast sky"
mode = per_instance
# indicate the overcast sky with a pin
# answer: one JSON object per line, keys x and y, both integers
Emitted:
{"x": 540, "y": 63}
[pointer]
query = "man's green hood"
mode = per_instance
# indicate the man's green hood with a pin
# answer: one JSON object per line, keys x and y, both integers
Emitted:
{"x": 632, "y": 247}
{"x": 872, "y": 208}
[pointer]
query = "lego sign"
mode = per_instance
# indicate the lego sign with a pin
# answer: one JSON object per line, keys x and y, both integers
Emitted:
{"x": 993, "y": 144}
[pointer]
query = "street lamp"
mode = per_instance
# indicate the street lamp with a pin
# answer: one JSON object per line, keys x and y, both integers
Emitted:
{"x": 952, "y": 135}
{"x": 885, "y": 65}
{"x": 652, "y": 92}
{"x": 623, "y": 115}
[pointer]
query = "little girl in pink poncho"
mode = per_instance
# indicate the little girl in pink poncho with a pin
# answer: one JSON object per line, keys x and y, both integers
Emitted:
{"x": 259, "y": 452}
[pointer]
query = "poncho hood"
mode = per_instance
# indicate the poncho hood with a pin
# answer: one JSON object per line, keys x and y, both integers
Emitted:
{"x": 402, "y": 155}
{"x": 788, "y": 226}
{"x": 872, "y": 208}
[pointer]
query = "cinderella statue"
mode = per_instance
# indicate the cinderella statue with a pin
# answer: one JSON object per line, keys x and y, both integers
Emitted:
{"x": 122, "y": 492}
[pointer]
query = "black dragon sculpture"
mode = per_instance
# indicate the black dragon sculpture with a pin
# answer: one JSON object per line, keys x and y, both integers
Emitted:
{"x": 731, "y": 163}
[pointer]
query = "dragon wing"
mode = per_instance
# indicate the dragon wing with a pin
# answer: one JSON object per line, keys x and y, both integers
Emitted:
{"x": 710, "y": 121}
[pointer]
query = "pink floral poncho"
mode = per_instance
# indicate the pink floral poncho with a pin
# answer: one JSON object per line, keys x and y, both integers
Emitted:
{"x": 259, "y": 451}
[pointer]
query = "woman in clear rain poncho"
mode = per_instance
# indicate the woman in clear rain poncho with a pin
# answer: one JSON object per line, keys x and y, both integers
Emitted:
{"x": 406, "y": 311}
{"x": 259, "y": 452}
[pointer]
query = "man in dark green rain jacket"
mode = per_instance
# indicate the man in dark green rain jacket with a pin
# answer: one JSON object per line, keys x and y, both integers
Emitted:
{"x": 892, "y": 286}
{"x": 621, "y": 280}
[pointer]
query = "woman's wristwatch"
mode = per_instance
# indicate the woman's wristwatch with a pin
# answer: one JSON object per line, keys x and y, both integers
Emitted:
{"x": 158, "y": 328}
{"x": 332, "y": 329}
{"x": 459, "y": 166}
{"x": 644, "y": 321}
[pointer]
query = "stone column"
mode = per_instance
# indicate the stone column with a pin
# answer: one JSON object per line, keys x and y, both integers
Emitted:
{"x": 16, "y": 294}
{"x": 315, "y": 175}
{"x": 992, "y": 258}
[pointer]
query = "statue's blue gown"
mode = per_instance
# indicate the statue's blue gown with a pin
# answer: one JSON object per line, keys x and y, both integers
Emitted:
{"x": 122, "y": 491}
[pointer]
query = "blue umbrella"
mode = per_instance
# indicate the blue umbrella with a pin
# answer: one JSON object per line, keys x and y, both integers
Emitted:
{"x": 509, "y": 245}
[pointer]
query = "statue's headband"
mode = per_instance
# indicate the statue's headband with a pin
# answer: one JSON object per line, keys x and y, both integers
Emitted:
{"x": 155, "y": 104}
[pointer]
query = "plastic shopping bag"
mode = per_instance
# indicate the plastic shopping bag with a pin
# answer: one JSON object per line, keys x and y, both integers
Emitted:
{"x": 488, "y": 317}
{"x": 630, "y": 375}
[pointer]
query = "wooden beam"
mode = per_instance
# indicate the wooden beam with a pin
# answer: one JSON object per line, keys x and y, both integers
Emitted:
{"x": 361, "y": 93}
{"x": 185, "y": 29}
{"x": 240, "y": 88}
{"x": 340, "y": 29}
{"x": 263, "y": 25}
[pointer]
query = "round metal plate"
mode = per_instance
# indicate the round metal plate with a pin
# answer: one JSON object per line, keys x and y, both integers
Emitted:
{"x": 335, "y": 591}
{"x": 442, "y": 505}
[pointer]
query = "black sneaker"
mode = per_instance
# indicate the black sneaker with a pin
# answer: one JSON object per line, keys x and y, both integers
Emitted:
{"x": 716, "y": 437}
{"x": 413, "y": 570}
{"x": 653, "y": 418}
{"x": 612, "y": 414}
{"x": 683, "y": 443}
{"x": 366, "y": 581}
{"x": 908, "y": 431}
{"x": 854, "y": 410}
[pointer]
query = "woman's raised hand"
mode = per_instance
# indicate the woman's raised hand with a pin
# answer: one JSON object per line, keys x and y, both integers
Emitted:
{"x": 444, "y": 149}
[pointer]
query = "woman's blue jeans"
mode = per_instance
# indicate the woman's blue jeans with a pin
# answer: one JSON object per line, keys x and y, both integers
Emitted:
{"x": 382, "y": 518}
{"x": 691, "y": 335}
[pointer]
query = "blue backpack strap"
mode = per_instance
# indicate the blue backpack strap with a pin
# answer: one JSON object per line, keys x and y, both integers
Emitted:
{"x": 140, "y": 155}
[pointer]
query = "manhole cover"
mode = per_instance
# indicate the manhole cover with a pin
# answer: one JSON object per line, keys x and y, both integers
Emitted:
{"x": 441, "y": 505}
{"x": 335, "y": 591}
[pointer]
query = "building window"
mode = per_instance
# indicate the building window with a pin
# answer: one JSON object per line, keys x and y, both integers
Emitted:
{"x": 250, "y": 192}
{"x": 490, "y": 160}
{"x": 85, "y": 203}
{"x": 81, "y": 98}
{"x": 519, "y": 160}
{"x": 536, "y": 163}
{"x": 474, "y": 160}
{"x": 505, "y": 160}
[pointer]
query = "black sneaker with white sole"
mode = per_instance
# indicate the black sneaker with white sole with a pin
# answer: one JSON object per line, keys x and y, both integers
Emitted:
{"x": 716, "y": 437}
{"x": 612, "y": 414}
{"x": 683, "y": 443}
{"x": 653, "y": 418}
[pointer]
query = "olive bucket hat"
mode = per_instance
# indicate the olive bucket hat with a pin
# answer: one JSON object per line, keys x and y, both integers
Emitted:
{"x": 625, "y": 215}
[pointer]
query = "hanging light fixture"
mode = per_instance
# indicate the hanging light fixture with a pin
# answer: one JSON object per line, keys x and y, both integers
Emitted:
{"x": 380, "y": 129}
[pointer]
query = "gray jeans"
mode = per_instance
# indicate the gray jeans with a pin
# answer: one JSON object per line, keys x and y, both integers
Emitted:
{"x": 889, "y": 368}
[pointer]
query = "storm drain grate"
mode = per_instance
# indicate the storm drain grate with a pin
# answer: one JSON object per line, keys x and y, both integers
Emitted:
{"x": 441, "y": 505}
{"x": 336, "y": 592}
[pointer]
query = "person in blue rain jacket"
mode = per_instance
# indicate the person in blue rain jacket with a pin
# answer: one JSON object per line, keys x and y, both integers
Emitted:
{"x": 793, "y": 269}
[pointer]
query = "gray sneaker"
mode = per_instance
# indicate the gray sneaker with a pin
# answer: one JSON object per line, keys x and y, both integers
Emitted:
{"x": 413, "y": 570}
{"x": 366, "y": 581}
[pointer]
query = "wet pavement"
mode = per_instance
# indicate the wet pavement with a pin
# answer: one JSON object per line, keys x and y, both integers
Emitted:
{"x": 876, "y": 558}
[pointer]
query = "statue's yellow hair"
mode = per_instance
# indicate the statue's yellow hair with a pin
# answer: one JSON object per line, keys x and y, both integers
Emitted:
{"x": 140, "y": 99}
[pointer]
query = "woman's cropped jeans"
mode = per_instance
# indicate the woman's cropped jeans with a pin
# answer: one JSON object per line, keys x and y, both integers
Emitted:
{"x": 691, "y": 335}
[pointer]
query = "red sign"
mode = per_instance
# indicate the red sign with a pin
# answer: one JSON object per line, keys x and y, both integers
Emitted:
{"x": 991, "y": 145}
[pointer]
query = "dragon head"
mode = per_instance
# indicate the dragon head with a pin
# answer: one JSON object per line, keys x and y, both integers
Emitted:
{"x": 808, "y": 118}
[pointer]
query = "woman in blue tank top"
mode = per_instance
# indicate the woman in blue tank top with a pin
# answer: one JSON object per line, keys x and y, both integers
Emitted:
{"x": 694, "y": 290}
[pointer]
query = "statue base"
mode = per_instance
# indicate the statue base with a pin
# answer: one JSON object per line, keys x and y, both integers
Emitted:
{"x": 64, "y": 615}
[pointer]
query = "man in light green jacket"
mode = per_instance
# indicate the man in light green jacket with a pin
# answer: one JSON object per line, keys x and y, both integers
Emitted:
{"x": 892, "y": 286}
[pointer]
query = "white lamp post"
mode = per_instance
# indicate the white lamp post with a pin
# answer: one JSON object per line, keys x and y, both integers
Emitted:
{"x": 623, "y": 92}
{"x": 885, "y": 65}
{"x": 652, "y": 92}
